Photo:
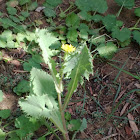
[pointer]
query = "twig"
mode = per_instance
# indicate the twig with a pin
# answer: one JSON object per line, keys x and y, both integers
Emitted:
{"x": 107, "y": 137}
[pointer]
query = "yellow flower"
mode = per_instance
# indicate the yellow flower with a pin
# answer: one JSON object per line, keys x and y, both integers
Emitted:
{"x": 68, "y": 48}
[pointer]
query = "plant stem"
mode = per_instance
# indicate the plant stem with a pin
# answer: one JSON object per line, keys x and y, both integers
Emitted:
{"x": 118, "y": 14}
{"x": 135, "y": 26}
{"x": 65, "y": 135}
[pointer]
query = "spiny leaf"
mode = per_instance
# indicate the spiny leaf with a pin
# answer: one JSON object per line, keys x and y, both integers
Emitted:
{"x": 82, "y": 68}
{"x": 2, "y": 135}
{"x": 42, "y": 83}
{"x": 35, "y": 105}
{"x": 45, "y": 40}
{"x": 136, "y": 36}
{"x": 122, "y": 35}
{"x": 107, "y": 51}
{"x": 126, "y": 3}
{"x": 42, "y": 106}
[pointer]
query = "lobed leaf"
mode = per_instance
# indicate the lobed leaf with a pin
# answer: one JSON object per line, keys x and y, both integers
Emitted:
{"x": 109, "y": 21}
{"x": 136, "y": 36}
{"x": 42, "y": 83}
{"x": 122, "y": 35}
{"x": 126, "y": 3}
{"x": 92, "y": 5}
{"x": 107, "y": 51}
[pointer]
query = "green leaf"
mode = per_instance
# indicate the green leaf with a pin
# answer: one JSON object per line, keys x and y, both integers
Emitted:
{"x": 15, "y": 19}
{"x": 42, "y": 83}
{"x": 11, "y": 10}
{"x": 99, "y": 6}
{"x": 92, "y": 5}
{"x": 7, "y": 23}
{"x": 136, "y": 36}
{"x": 45, "y": 40}
{"x": 67, "y": 116}
{"x": 30, "y": 64}
{"x": 54, "y": 3}
{"x": 137, "y": 12}
{"x": 49, "y": 12}
{"x": 12, "y": 3}
{"x": 38, "y": 106}
{"x": 97, "y": 18}
{"x": 25, "y": 14}
{"x": 25, "y": 126}
{"x": 72, "y": 20}
{"x": 74, "y": 125}
{"x": 83, "y": 26}
{"x": 2, "y": 135}
{"x": 126, "y": 3}
{"x": 84, "y": 15}
{"x": 13, "y": 136}
{"x": 107, "y": 51}
{"x": 33, "y": 6}
{"x": 125, "y": 43}
{"x": 83, "y": 67}
{"x": 122, "y": 35}
{"x": 22, "y": 87}
{"x": 22, "y": 2}
{"x": 109, "y": 21}
{"x": 4, "y": 114}
{"x": 83, "y": 125}
{"x": 72, "y": 34}
{"x": 42, "y": 106}
{"x": 83, "y": 34}
{"x": 98, "y": 40}
{"x": 1, "y": 95}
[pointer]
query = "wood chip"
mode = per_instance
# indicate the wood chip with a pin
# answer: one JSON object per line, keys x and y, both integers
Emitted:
{"x": 133, "y": 124}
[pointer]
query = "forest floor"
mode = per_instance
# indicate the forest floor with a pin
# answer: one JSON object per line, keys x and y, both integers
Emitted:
{"x": 100, "y": 94}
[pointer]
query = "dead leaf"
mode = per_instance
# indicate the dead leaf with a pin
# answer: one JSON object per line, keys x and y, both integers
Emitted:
{"x": 137, "y": 85}
{"x": 133, "y": 124}
{"x": 128, "y": 130}
{"x": 13, "y": 3}
{"x": 39, "y": 9}
{"x": 125, "y": 106}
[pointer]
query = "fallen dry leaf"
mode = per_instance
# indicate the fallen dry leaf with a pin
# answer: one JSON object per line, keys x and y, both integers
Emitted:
{"x": 133, "y": 124}
{"x": 128, "y": 130}
{"x": 125, "y": 106}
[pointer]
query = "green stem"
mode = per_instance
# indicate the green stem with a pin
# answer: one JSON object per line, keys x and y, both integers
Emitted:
{"x": 118, "y": 14}
{"x": 52, "y": 130}
{"x": 65, "y": 135}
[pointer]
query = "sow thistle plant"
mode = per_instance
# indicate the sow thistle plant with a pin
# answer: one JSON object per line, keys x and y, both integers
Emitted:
{"x": 45, "y": 100}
